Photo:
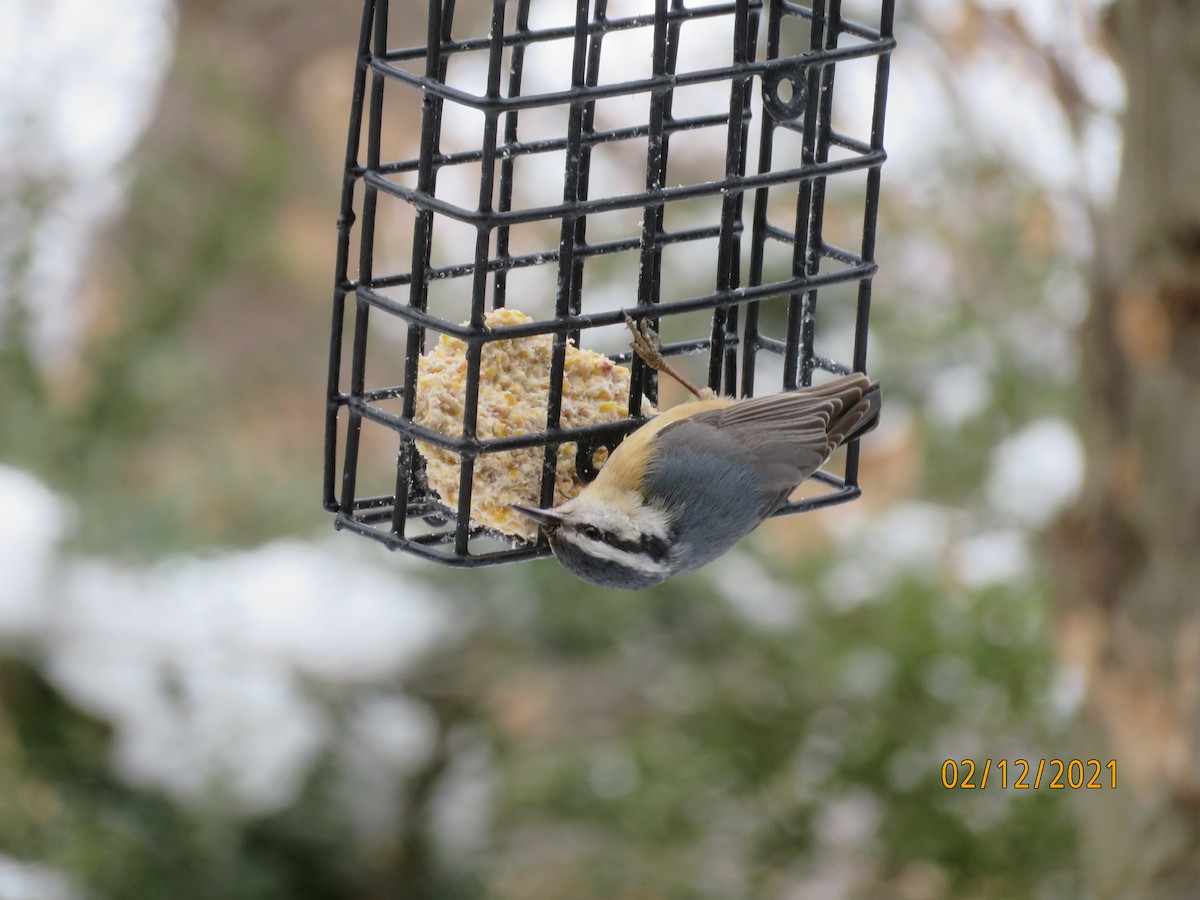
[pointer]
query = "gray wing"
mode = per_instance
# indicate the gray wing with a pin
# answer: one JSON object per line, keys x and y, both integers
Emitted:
{"x": 730, "y": 468}
{"x": 786, "y": 437}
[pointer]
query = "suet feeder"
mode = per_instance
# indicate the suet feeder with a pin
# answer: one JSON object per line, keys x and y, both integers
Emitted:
{"x": 528, "y": 154}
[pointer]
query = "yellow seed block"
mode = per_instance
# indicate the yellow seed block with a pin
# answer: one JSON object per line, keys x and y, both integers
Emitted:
{"x": 513, "y": 394}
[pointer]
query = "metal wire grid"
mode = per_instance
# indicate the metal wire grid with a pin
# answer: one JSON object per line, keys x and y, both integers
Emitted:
{"x": 796, "y": 95}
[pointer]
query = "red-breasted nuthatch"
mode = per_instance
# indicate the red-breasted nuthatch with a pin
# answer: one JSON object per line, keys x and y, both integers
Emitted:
{"x": 696, "y": 479}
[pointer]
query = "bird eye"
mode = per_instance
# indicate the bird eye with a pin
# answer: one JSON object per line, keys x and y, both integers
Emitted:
{"x": 591, "y": 531}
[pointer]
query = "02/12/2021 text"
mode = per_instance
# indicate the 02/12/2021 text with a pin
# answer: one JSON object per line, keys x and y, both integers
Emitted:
{"x": 1022, "y": 774}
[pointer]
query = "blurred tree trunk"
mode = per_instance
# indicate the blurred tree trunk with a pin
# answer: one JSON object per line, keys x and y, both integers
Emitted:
{"x": 1127, "y": 557}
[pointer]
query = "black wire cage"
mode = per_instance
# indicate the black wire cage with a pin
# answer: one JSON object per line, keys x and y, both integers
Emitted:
{"x": 590, "y": 161}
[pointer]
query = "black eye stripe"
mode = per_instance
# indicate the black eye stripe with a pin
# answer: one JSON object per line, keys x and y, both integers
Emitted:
{"x": 648, "y": 545}
{"x": 654, "y": 547}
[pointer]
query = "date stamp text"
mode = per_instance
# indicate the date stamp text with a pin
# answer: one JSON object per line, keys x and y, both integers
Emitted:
{"x": 1024, "y": 774}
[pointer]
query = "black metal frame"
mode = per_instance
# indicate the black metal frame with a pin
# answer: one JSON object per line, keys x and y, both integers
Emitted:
{"x": 796, "y": 93}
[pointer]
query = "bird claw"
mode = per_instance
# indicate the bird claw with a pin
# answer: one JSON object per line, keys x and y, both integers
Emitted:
{"x": 648, "y": 345}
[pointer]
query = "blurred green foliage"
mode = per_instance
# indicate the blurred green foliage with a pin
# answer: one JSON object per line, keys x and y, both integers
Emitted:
{"x": 682, "y": 741}
{"x": 647, "y": 745}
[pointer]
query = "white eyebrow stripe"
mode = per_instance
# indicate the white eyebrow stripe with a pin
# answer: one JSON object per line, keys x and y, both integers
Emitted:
{"x": 639, "y": 562}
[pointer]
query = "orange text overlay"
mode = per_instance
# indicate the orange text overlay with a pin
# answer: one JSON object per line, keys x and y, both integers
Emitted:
{"x": 1030, "y": 774}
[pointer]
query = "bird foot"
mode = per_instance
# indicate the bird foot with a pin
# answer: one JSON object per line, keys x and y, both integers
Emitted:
{"x": 648, "y": 345}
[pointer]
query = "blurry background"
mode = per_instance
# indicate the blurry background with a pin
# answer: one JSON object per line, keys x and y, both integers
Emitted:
{"x": 205, "y": 693}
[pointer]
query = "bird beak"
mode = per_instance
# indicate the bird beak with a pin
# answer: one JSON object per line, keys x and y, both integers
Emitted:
{"x": 547, "y": 518}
